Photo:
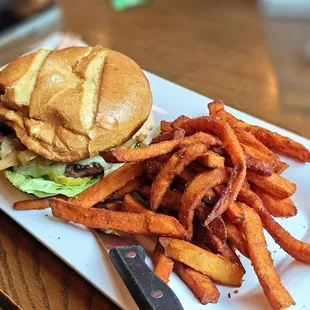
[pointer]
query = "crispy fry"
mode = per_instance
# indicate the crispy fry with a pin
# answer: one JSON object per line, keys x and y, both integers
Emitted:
{"x": 165, "y": 126}
{"x": 275, "y": 206}
{"x": 235, "y": 211}
{"x": 210, "y": 197}
{"x": 133, "y": 206}
{"x": 195, "y": 191}
{"x": 169, "y": 135}
{"x": 236, "y": 239}
{"x": 186, "y": 176}
{"x": 215, "y": 266}
{"x": 200, "y": 284}
{"x": 151, "y": 167}
{"x": 128, "y": 188}
{"x": 248, "y": 139}
{"x": 206, "y": 238}
{"x": 32, "y": 204}
{"x": 296, "y": 248}
{"x": 158, "y": 149}
{"x": 164, "y": 158}
{"x": 173, "y": 167}
{"x": 256, "y": 160}
{"x": 274, "y": 184}
{"x": 230, "y": 142}
{"x": 144, "y": 191}
{"x": 162, "y": 225}
{"x": 270, "y": 139}
{"x": 108, "y": 185}
{"x": 163, "y": 265}
{"x": 278, "y": 296}
{"x": 179, "y": 121}
{"x": 280, "y": 167}
{"x": 217, "y": 226}
{"x": 112, "y": 206}
{"x": 171, "y": 199}
{"x": 35, "y": 204}
{"x": 281, "y": 144}
{"x": 223, "y": 249}
{"x": 196, "y": 167}
{"x": 212, "y": 160}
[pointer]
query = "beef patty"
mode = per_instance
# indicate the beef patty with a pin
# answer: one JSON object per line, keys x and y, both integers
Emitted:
{"x": 79, "y": 171}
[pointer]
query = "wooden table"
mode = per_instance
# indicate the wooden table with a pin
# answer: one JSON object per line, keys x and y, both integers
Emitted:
{"x": 217, "y": 48}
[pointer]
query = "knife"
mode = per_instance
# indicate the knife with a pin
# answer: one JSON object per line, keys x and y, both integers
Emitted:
{"x": 148, "y": 290}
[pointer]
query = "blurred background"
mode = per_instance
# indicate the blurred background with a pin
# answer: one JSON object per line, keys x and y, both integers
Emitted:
{"x": 253, "y": 55}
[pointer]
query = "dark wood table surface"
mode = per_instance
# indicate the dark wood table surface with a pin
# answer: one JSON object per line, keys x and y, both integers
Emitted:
{"x": 217, "y": 48}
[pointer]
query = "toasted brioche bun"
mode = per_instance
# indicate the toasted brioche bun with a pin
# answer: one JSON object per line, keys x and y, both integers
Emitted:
{"x": 70, "y": 104}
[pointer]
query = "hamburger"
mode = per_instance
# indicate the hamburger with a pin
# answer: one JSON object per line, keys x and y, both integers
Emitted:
{"x": 59, "y": 109}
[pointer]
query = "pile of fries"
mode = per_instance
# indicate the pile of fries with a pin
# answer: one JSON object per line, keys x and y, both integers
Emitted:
{"x": 206, "y": 187}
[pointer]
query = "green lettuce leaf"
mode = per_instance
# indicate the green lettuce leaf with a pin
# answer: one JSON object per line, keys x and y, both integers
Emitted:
{"x": 45, "y": 188}
{"x": 38, "y": 168}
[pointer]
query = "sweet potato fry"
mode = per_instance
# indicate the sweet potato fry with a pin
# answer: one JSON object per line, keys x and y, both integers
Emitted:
{"x": 280, "y": 167}
{"x": 256, "y": 160}
{"x": 274, "y": 184}
{"x": 213, "y": 265}
{"x": 196, "y": 167}
{"x": 162, "y": 225}
{"x": 231, "y": 144}
{"x": 210, "y": 197}
{"x": 158, "y": 149}
{"x": 236, "y": 239}
{"x": 152, "y": 167}
{"x": 35, "y": 204}
{"x": 275, "y": 206}
{"x": 171, "y": 199}
{"x": 108, "y": 185}
{"x": 128, "y": 188}
{"x": 212, "y": 160}
{"x": 278, "y": 296}
{"x": 296, "y": 248}
{"x": 281, "y": 144}
{"x": 248, "y": 139}
{"x": 200, "y": 284}
{"x": 235, "y": 211}
{"x": 270, "y": 139}
{"x": 32, "y": 204}
{"x": 164, "y": 158}
{"x": 169, "y": 135}
{"x": 112, "y": 206}
{"x": 220, "y": 247}
{"x": 217, "y": 226}
{"x": 163, "y": 265}
{"x": 133, "y": 206}
{"x": 186, "y": 175}
{"x": 206, "y": 239}
{"x": 165, "y": 126}
{"x": 144, "y": 191}
{"x": 194, "y": 192}
{"x": 179, "y": 121}
{"x": 173, "y": 167}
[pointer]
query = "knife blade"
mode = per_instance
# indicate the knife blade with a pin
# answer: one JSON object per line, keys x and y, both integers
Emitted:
{"x": 148, "y": 290}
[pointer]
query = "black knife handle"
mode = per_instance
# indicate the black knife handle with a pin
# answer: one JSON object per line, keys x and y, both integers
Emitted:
{"x": 148, "y": 291}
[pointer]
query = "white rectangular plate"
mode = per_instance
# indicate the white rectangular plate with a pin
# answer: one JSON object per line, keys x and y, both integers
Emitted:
{"x": 171, "y": 100}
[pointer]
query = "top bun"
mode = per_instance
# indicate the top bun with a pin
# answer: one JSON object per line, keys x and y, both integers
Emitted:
{"x": 70, "y": 104}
